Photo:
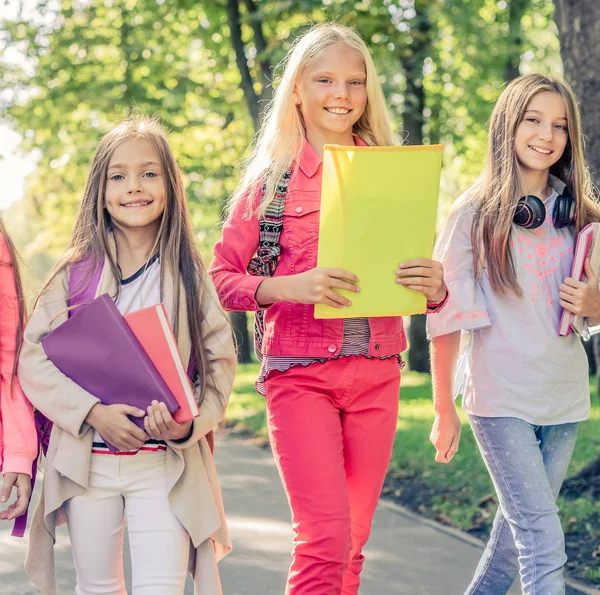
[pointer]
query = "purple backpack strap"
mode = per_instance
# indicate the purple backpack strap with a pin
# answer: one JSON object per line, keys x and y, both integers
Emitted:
{"x": 79, "y": 295}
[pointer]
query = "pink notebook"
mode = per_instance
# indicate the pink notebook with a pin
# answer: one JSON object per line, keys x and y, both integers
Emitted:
{"x": 582, "y": 249}
{"x": 153, "y": 331}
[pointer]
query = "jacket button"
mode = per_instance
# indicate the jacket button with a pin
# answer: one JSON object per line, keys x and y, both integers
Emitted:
{"x": 298, "y": 210}
{"x": 377, "y": 346}
{"x": 246, "y": 301}
{"x": 332, "y": 349}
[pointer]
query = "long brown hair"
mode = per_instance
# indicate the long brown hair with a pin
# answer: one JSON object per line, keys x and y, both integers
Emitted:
{"x": 90, "y": 240}
{"x": 496, "y": 192}
{"x": 22, "y": 307}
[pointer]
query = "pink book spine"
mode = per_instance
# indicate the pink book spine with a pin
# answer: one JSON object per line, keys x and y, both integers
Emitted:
{"x": 582, "y": 248}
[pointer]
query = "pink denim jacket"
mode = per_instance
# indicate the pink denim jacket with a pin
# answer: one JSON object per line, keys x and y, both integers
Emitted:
{"x": 291, "y": 329}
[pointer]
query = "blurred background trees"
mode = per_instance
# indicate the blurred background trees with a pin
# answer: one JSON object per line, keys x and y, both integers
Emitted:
{"x": 70, "y": 70}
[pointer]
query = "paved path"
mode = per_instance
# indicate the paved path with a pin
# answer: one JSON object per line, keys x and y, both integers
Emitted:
{"x": 405, "y": 555}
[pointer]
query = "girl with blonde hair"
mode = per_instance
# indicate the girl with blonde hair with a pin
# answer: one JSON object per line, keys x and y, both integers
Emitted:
{"x": 331, "y": 386}
{"x": 133, "y": 239}
{"x": 507, "y": 250}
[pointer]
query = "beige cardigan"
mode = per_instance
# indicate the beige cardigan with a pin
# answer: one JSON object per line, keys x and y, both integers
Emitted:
{"x": 194, "y": 491}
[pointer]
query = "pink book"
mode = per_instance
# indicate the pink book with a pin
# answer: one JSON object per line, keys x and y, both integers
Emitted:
{"x": 582, "y": 249}
{"x": 153, "y": 331}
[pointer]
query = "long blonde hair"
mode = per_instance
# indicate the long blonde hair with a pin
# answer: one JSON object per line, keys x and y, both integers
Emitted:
{"x": 91, "y": 238}
{"x": 279, "y": 140}
{"x": 496, "y": 192}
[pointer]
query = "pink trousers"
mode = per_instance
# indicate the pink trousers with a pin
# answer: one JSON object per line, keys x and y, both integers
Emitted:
{"x": 332, "y": 429}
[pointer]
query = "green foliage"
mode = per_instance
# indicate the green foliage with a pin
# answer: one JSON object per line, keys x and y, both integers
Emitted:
{"x": 92, "y": 64}
{"x": 72, "y": 69}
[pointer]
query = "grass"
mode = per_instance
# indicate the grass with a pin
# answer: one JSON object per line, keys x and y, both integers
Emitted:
{"x": 460, "y": 494}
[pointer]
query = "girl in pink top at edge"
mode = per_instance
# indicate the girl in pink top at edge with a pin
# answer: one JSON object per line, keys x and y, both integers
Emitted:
{"x": 18, "y": 441}
{"x": 331, "y": 386}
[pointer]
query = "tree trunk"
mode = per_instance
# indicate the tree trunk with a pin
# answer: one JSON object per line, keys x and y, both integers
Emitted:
{"x": 261, "y": 50}
{"x": 256, "y": 104}
{"x": 413, "y": 121}
{"x": 239, "y": 322}
{"x": 579, "y": 31}
{"x": 125, "y": 30}
{"x": 235, "y": 28}
{"x": 516, "y": 10}
{"x": 578, "y": 24}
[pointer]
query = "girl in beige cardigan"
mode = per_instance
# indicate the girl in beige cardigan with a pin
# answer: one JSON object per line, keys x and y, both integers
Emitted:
{"x": 134, "y": 224}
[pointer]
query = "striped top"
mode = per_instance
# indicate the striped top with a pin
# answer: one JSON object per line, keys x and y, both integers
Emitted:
{"x": 140, "y": 290}
{"x": 357, "y": 336}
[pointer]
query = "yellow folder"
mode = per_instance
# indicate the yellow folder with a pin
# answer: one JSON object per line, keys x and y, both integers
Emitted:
{"x": 378, "y": 209}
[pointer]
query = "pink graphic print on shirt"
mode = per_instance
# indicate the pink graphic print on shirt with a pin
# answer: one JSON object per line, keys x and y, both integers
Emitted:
{"x": 543, "y": 255}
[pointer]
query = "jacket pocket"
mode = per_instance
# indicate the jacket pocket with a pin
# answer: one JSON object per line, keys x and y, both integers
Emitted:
{"x": 301, "y": 221}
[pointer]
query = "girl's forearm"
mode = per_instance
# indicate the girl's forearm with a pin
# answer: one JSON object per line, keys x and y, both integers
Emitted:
{"x": 272, "y": 290}
{"x": 444, "y": 353}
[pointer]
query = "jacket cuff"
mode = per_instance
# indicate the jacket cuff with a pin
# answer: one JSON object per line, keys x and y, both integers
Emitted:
{"x": 17, "y": 464}
{"x": 248, "y": 289}
{"x": 79, "y": 426}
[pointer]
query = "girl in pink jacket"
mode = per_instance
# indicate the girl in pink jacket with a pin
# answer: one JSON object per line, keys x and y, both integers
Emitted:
{"x": 331, "y": 386}
{"x": 18, "y": 441}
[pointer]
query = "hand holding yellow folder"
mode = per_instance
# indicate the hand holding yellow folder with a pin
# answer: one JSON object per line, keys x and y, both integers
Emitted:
{"x": 378, "y": 209}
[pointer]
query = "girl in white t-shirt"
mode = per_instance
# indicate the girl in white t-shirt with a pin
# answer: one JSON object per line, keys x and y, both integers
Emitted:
{"x": 507, "y": 262}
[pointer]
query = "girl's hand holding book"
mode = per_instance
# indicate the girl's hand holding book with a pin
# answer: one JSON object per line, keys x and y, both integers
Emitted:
{"x": 424, "y": 275}
{"x": 22, "y": 483}
{"x": 114, "y": 426}
{"x": 316, "y": 286}
{"x": 581, "y": 297}
{"x": 160, "y": 424}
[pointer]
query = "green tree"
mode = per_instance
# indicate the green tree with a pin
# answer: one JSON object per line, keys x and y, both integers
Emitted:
{"x": 206, "y": 68}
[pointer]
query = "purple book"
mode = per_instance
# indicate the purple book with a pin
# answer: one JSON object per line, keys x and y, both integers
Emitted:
{"x": 97, "y": 350}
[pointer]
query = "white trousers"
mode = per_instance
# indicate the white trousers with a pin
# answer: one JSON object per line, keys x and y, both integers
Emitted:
{"x": 127, "y": 490}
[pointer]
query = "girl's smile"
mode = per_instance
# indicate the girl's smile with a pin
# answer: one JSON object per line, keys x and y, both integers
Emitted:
{"x": 137, "y": 204}
{"x": 540, "y": 150}
{"x": 340, "y": 111}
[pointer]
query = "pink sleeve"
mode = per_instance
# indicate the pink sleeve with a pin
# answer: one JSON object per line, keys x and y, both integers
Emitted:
{"x": 19, "y": 439}
{"x": 232, "y": 253}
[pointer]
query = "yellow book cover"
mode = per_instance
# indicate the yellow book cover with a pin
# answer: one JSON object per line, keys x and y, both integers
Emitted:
{"x": 378, "y": 209}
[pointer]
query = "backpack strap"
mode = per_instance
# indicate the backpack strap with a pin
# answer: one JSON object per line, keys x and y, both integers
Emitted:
{"x": 80, "y": 293}
{"x": 265, "y": 262}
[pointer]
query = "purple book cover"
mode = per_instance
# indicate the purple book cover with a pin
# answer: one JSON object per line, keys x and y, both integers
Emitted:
{"x": 97, "y": 350}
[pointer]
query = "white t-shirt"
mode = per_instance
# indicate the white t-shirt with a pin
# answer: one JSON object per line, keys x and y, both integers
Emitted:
{"x": 141, "y": 290}
{"x": 516, "y": 364}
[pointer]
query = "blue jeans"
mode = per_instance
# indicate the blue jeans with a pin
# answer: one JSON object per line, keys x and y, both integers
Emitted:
{"x": 527, "y": 464}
